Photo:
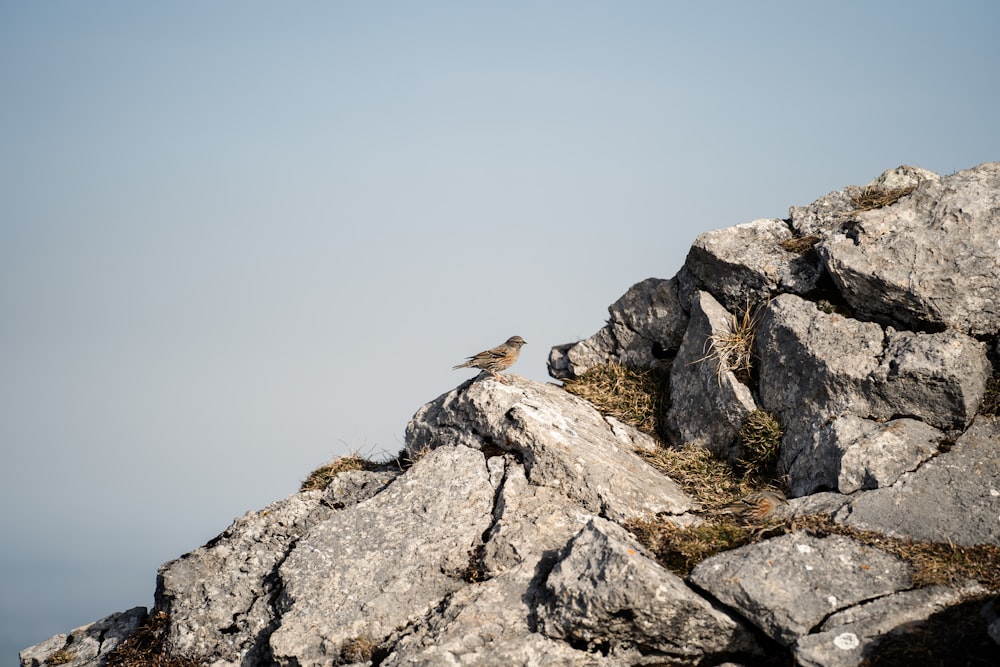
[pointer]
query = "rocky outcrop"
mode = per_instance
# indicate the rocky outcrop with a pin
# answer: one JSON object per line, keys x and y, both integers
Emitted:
{"x": 871, "y": 333}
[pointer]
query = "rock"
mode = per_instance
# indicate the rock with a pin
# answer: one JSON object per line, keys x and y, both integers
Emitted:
{"x": 88, "y": 645}
{"x": 606, "y": 590}
{"x": 708, "y": 403}
{"x": 815, "y": 367}
{"x": 928, "y": 261}
{"x": 851, "y": 453}
{"x": 789, "y": 584}
{"x": 903, "y": 177}
{"x": 219, "y": 597}
{"x": 955, "y": 497}
{"x": 528, "y": 521}
{"x": 385, "y": 562}
{"x": 849, "y": 636}
{"x": 744, "y": 265}
{"x": 564, "y": 442}
{"x": 646, "y": 325}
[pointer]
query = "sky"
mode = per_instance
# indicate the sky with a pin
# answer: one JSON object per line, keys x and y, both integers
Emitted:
{"x": 238, "y": 239}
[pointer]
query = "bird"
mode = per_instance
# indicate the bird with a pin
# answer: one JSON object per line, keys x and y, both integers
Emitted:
{"x": 756, "y": 506}
{"x": 496, "y": 359}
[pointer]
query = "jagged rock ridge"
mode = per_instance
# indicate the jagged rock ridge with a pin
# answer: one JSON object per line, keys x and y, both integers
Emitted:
{"x": 503, "y": 544}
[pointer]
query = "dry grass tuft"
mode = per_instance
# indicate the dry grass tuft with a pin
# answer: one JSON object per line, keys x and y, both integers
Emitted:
{"x": 934, "y": 563}
{"x": 732, "y": 350}
{"x": 321, "y": 477}
{"x": 357, "y": 649}
{"x": 637, "y": 397}
{"x": 871, "y": 197}
{"x": 760, "y": 437}
{"x": 800, "y": 245}
{"x": 60, "y": 657}
{"x": 991, "y": 399}
{"x": 145, "y": 647}
{"x": 708, "y": 479}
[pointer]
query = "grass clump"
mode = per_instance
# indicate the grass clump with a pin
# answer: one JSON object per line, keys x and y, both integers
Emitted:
{"x": 871, "y": 197}
{"x": 145, "y": 647}
{"x": 680, "y": 549}
{"x": 60, "y": 657}
{"x": 699, "y": 473}
{"x": 636, "y": 397}
{"x": 321, "y": 477}
{"x": 357, "y": 649}
{"x": 732, "y": 350}
{"x": 800, "y": 245}
{"x": 760, "y": 437}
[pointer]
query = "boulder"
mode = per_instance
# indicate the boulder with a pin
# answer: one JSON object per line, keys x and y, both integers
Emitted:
{"x": 928, "y": 261}
{"x": 789, "y": 584}
{"x": 564, "y": 442}
{"x": 383, "y": 563}
{"x": 708, "y": 403}
{"x": 645, "y": 327}
{"x": 219, "y": 597}
{"x": 605, "y": 590}
{"x": 816, "y": 367}
{"x": 851, "y": 453}
{"x": 744, "y": 265}
{"x": 954, "y": 497}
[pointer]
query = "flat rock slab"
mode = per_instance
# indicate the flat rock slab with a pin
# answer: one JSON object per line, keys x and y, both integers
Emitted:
{"x": 786, "y": 586}
{"x": 563, "y": 441}
{"x": 954, "y": 497}
{"x": 849, "y": 636}
{"x": 606, "y": 589}
{"x": 384, "y": 563}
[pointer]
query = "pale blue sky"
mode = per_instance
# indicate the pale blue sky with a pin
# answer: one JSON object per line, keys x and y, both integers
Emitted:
{"x": 237, "y": 239}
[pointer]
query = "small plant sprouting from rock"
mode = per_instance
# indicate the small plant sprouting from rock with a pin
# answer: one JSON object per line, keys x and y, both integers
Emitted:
{"x": 637, "y": 397}
{"x": 357, "y": 649}
{"x": 760, "y": 437}
{"x": 800, "y": 245}
{"x": 732, "y": 350}
{"x": 60, "y": 657}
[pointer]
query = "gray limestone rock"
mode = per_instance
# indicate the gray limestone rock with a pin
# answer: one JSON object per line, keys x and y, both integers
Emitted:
{"x": 87, "y": 646}
{"x": 383, "y": 563}
{"x": 850, "y": 453}
{"x": 955, "y": 497}
{"x": 219, "y": 597}
{"x": 606, "y": 589}
{"x": 564, "y": 442}
{"x": 789, "y": 584}
{"x": 708, "y": 403}
{"x": 849, "y": 636}
{"x": 646, "y": 324}
{"x": 816, "y": 367}
{"x": 747, "y": 264}
{"x": 931, "y": 259}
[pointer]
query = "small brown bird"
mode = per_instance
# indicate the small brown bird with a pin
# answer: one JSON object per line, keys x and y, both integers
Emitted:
{"x": 756, "y": 506}
{"x": 496, "y": 359}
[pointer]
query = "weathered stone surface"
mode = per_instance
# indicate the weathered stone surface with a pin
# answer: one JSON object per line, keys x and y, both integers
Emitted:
{"x": 218, "y": 597}
{"x": 849, "y": 636}
{"x": 789, "y": 584}
{"x": 528, "y": 520}
{"x": 815, "y": 367}
{"x": 564, "y": 442}
{"x": 646, "y": 324}
{"x": 385, "y": 562}
{"x": 929, "y": 260}
{"x": 605, "y": 588}
{"x": 88, "y": 645}
{"x": 954, "y": 497}
{"x": 849, "y": 453}
{"x": 490, "y": 623}
{"x": 708, "y": 403}
{"x": 746, "y": 264}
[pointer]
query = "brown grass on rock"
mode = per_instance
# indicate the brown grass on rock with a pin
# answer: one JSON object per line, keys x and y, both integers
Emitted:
{"x": 145, "y": 647}
{"x": 871, "y": 197}
{"x": 637, "y": 397}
